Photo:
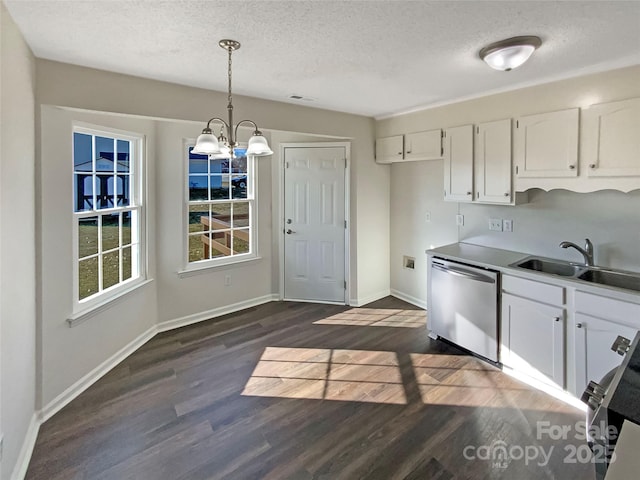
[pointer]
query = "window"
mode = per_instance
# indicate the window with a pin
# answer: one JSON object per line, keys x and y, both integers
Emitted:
{"x": 220, "y": 206}
{"x": 107, "y": 212}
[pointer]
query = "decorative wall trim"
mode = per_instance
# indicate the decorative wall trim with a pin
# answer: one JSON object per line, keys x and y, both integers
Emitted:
{"x": 24, "y": 457}
{"x": 408, "y": 298}
{"x": 215, "y": 312}
{"x": 359, "y": 302}
{"x": 55, "y": 405}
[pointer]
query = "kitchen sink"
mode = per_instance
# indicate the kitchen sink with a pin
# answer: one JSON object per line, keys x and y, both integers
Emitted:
{"x": 550, "y": 266}
{"x": 612, "y": 279}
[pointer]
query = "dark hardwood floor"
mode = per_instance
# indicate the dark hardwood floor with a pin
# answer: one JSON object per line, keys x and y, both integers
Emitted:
{"x": 306, "y": 391}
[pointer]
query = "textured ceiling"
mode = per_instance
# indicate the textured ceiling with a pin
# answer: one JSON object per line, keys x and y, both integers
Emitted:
{"x": 367, "y": 57}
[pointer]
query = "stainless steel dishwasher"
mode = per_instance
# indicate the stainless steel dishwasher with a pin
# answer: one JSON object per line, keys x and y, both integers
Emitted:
{"x": 463, "y": 306}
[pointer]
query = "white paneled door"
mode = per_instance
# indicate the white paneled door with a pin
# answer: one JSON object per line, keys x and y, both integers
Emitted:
{"x": 314, "y": 223}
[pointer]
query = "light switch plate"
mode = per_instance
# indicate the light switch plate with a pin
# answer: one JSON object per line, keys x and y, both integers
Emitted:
{"x": 507, "y": 225}
{"x": 460, "y": 220}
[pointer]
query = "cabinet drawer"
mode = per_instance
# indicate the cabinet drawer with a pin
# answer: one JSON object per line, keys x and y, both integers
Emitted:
{"x": 608, "y": 308}
{"x": 541, "y": 292}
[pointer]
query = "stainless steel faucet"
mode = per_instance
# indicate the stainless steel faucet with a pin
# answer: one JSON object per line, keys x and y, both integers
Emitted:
{"x": 587, "y": 251}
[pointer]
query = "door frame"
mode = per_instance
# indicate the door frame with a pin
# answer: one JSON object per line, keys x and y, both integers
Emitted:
{"x": 280, "y": 225}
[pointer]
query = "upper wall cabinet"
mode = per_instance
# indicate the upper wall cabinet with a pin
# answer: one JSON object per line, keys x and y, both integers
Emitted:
{"x": 458, "y": 164}
{"x": 546, "y": 145}
{"x": 410, "y": 147}
{"x": 492, "y": 160}
{"x": 423, "y": 145}
{"x": 612, "y": 139}
{"x": 389, "y": 149}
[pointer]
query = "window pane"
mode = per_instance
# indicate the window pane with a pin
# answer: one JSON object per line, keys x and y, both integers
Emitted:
{"x": 220, "y": 216}
{"x": 196, "y": 248}
{"x": 124, "y": 148}
{"x": 219, "y": 165}
{"x": 87, "y": 236}
{"x": 83, "y": 192}
{"x": 239, "y": 186}
{"x": 87, "y": 277}
{"x": 219, "y": 243}
{"x": 126, "y": 228}
{"x": 219, "y": 187}
{"x": 240, "y": 241}
{"x": 197, "y": 163}
{"x": 104, "y": 154}
{"x": 241, "y": 214}
{"x": 104, "y": 190}
{"x": 197, "y": 187}
{"x": 199, "y": 218}
{"x": 126, "y": 263}
{"x": 239, "y": 164}
{"x": 110, "y": 232}
{"x": 82, "y": 152}
{"x": 123, "y": 190}
{"x": 110, "y": 269}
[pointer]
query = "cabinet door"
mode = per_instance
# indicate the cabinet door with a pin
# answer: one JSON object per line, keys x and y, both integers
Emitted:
{"x": 532, "y": 339}
{"x": 389, "y": 149}
{"x": 594, "y": 357}
{"x": 493, "y": 162}
{"x": 423, "y": 145}
{"x": 612, "y": 139}
{"x": 458, "y": 164}
{"x": 546, "y": 145}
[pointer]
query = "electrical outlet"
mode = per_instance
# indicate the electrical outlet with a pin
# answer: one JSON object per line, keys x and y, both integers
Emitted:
{"x": 460, "y": 220}
{"x": 227, "y": 280}
{"x": 427, "y": 217}
{"x": 507, "y": 225}
{"x": 495, "y": 224}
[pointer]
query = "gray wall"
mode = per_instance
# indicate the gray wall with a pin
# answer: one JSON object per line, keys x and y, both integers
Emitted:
{"x": 610, "y": 219}
{"x": 17, "y": 241}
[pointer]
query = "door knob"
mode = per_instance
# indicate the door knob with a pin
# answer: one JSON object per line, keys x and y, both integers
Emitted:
{"x": 579, "y": 325}
{"x": 289, "y": 231}
{"x": 288, "y": 220}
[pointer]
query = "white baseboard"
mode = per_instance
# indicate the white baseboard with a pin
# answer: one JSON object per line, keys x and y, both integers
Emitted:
{"x": 410, "y": 299}
{"x": 22, "y": 463}
{"x": 216, "y": 312}
{"x": 55, "y": 405}
{"x": 359, "y": 302}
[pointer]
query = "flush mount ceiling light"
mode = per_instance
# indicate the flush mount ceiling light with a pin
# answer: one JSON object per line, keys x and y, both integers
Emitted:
{"x": 510, "y": 53}
{"x": 221, "y": 146}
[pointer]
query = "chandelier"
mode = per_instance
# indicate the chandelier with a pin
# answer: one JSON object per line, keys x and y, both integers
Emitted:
{"x": 221, "y": 146}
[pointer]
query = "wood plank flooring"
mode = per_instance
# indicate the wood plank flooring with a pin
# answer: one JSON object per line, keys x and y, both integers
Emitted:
{"x": 303, "y": 391}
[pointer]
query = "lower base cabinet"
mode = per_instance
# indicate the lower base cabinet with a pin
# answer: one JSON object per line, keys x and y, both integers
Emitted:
{"x": 533, "y": 339}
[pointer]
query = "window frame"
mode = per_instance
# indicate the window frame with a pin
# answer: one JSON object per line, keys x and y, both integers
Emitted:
{"x": 252, "y": 196}
{"x": 137, "y": 203}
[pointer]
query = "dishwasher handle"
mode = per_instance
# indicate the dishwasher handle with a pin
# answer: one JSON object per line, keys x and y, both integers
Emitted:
{"x": 459, "y": 272}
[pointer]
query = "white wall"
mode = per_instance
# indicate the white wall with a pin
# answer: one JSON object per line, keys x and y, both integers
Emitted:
{"x": 611, "y": 219}
{"x": 17, "y": 241}
{"x": 67, "y": 354}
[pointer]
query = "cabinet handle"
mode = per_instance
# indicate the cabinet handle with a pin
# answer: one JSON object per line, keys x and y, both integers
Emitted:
{"x": 408, "y": 151}
{"x": 399, "y": 153}
{"x": 506, "y": 194}
{"x": 572, "y": 167}
{"x": 468, "y": 193}
{"x": 578, "y": 325}
{"x": 557, "y": 319}
{"x": 593, "y": 165}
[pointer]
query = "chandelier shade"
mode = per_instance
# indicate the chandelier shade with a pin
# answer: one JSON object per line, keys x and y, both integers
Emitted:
{"x": 221, "y": 146}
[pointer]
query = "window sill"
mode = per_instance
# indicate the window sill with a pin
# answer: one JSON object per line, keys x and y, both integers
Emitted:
{"x": 83, "y": 315}
{"x": 202, "y": 269}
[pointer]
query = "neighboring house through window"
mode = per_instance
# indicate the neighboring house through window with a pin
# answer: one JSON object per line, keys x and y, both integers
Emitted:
{"x": 107, "y": 202}
{"x": 220, "y": 208}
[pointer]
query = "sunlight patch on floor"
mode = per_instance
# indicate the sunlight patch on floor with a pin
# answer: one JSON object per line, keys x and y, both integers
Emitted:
{"x": 329, "y": 374}
{"x": 377, "y": 317}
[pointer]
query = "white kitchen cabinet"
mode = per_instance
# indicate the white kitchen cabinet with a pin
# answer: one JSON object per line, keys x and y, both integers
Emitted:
{"x": 611, "y": 135}
{"x": 492, "y": 159}
{"x": 598, "y": 322}
{"x": 546, "y": 145}
{"x": 423, "y": 145}
{"x": 389, "y": 149}
{"x": 458, "y": 164}
{"x": 533, "y": 338}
